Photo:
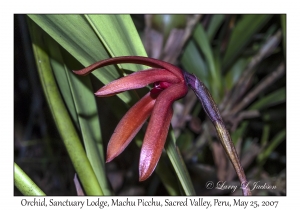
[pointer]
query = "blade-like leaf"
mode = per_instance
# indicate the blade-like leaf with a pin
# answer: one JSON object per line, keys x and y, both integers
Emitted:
{"x": 203, "y": 43}
{"x": 280, "y": 136}
{"x": 178, "y": 164}
{"x": 241, "y": 36}
{"x": 193, "y": 62}
{"x": 58, "y": 66}
{"x": 275, "y": 97}
{"x": 61, "y": 116}
{"x": 214, "y": 25}
{"x": 86, "y": 44}
{"x": 167, "y": 177}
{"x": 82, "y": 102}
{"x": 120, "y": 40}
{"x": 235, "y": 72}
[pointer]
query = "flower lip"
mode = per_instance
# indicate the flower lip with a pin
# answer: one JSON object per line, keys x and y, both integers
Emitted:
{"x": 159, "y": 86}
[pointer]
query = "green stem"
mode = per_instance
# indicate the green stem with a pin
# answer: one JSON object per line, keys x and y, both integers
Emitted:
{"x": 25, "y": 184}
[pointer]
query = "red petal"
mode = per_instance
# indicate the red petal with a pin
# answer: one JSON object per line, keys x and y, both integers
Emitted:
{"x": 128, "y": 127}
{"x": 133, "y": 59}
{"x": 153, "y": 145}
{"x": 157, "y": 129}
{"x": 136, "y": 80}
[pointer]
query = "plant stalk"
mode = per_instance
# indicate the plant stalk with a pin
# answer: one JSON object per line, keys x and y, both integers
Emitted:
{"x": 213, "y": 113}
{"x": 25, "y": 184}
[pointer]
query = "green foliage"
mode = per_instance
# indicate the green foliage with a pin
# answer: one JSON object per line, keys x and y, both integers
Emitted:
{"x": 236, "y": 57}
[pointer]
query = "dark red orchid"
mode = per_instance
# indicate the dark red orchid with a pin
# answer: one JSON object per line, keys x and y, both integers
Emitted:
{"x": 168, "y": 85}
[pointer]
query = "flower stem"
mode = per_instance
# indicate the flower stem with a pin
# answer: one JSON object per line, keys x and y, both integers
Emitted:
{"x": 213, "y": 113}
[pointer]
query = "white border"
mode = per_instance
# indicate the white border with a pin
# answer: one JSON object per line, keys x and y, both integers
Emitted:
{"x": 140, "y": 7}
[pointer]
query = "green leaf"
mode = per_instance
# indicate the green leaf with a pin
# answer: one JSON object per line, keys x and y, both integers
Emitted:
{"x": 119, "y": 37}
{"x": 59, "y": 69}
{"x": 90, "y": 43}
{"x": 242, "y": 35}
{"x": 235, "y": 72}
{"x": 203, "y": 43}
{"x": 61, "y": 115}
{"x": 239, "y": 132}
{"x": 167, "y": 177}
{"x": 275, "y": 97}
{"x": 214, "y": 25}
{"x": 178, "y": 164}
{"x": 280, "y": 136}
{"x": 193, "y": 62}
{"x": 80, "y": 100}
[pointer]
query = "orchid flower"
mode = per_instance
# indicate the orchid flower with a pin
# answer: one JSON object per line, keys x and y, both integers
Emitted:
{"x": 168, "y": 85}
